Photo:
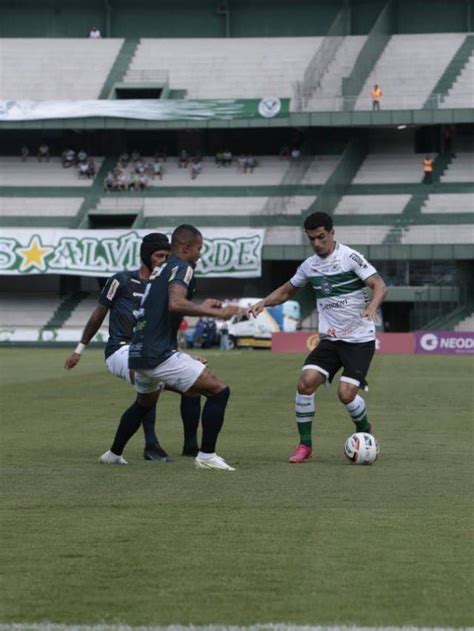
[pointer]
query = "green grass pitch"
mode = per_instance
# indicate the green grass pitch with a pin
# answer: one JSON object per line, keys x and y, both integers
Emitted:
{"x": 321, "y": 543}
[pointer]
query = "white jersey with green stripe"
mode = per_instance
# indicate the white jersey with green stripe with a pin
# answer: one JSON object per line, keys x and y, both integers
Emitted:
{"x": 341, "y": 294}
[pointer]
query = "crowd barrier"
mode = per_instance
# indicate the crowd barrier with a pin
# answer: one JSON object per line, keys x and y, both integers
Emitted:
{"x": 424, "y": 342}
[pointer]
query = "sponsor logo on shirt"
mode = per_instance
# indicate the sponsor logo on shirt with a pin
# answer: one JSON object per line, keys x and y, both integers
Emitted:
{"x": 114, "y": 285}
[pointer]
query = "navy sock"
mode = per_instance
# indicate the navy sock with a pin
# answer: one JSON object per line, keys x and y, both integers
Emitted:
{"x": 148, "y": 423}
{"x": 129, "y": 424}
{"x": 190, "y": 415}
{"x": 213, "y": 419}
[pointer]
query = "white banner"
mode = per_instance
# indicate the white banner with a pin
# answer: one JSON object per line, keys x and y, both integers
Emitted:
{"x": 145, "y": 109}
{"x": 227, "y": 252}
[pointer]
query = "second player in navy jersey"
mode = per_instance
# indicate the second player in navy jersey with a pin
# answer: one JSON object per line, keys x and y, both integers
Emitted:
{"x": 121, "y": 297}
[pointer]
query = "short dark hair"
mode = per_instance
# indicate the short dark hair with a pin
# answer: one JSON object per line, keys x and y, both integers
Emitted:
{"x": 185, "y": 233}
{"x": 318, "y": 220}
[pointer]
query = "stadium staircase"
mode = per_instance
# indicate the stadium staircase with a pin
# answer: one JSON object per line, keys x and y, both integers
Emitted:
{"x": 94, "y": 193}
{"x": 64, "y": 310}
{"x": 451, "y": 73}
{"x": 412, "y": 211}
{"x": 120, "y": 67}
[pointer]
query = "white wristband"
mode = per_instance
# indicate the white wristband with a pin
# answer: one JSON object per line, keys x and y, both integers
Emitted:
{"x": 79, "y": 348}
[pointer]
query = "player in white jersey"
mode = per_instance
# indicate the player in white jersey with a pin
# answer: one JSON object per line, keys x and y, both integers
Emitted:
{"x": 339, "y": 276}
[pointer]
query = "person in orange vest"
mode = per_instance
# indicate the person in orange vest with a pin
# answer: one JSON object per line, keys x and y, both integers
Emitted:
{"x": 376, "y": 94}
{"x": 428, "y": 170}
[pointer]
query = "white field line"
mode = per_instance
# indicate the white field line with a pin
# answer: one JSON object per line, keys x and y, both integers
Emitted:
{"x": 45, "y": 626}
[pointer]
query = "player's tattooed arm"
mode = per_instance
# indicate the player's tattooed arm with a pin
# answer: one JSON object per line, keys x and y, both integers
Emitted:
{"x": 92, "y": 326}
{"x": 379, "y": 291}
{"x": 279, "y": 295}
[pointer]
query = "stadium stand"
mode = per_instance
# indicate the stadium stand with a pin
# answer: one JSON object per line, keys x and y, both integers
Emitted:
{"x": 372, "y": 204}
{"x": 45, "y": 207}
{"x": 14, "y": 172}
{"x": 390, "y": 168}
{"x": 55, "y": 69}
{"x": 409, "y": 68}
{"x": 461, "y": 168}
{"x": 462, "y": 93}
{"x": 328, "y": 94}
{"x": 467, "y": 324}
{"x": 445, "y": 203}
{"x": 80, "y": 314}
{"x": 27, "y": 310}
{"x": 210, "y": 68}
{"x": 439, "y": 234}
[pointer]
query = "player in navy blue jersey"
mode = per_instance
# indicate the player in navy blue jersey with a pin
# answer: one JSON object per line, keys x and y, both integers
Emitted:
{"x": 154, "y": 358}
{"x": 121, "y": 297}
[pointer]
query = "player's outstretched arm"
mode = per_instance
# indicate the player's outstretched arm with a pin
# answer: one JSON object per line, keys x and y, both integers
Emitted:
{"x": 379, "y": 291}
{"x": 279, "y": 295}
{"x": 178, "y": 303}
{"x": 91, "y": 328}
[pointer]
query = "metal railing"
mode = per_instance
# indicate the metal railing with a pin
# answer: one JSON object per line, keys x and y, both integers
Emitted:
{"x": 388, "y": 103}
{"x": 322, "y": 58}
{"x": 292, "y": 176}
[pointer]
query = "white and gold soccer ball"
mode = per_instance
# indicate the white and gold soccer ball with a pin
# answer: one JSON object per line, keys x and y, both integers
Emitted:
{"x": 361, "y": 448}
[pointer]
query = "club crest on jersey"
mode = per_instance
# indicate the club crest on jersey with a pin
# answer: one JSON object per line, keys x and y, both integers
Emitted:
{"x": 326, "y": 287}
{"x": 114, "y": 285}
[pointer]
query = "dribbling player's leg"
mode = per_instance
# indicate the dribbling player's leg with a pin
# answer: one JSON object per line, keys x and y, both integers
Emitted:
{"x": 308, "y": 383}
{"x": 348, "y": 394}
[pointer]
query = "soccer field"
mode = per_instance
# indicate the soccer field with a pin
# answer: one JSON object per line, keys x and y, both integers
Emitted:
{"x": 323, "y": 543}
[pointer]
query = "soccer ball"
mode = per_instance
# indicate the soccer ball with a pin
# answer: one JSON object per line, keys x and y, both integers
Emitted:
{"x": 361, "y": 448}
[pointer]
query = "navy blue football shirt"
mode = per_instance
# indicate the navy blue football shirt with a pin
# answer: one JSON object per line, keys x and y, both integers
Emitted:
{"x": 122, "y": 295}
{"x": 152, "y": 341}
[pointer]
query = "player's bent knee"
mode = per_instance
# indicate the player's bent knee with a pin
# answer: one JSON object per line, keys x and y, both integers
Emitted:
{"x": 347, "y": 393}
{"x": 309, "y": 382}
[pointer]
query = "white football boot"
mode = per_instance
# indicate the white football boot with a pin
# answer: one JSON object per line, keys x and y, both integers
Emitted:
{"x": 110, "y": 458}
{"x": 214, "y": 462}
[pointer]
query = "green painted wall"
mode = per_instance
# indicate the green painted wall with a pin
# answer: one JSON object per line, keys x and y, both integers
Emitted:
{"x": 200, "y": 18}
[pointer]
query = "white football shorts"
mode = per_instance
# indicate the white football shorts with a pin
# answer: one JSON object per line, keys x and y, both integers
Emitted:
{"x": 117, "y": 363}
{"x": 180, "y": 371}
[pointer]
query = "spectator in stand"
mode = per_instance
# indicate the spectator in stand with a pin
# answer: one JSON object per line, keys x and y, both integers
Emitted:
{"x": 250, "y": 163}
{"x": 140, "y": 167}
{"x": 428, "y": 170}
{"x": 135, "y": 155}
{"x": 68, "y": 158}
{"x": 220, "y": 159}
{"x": 43, "y": 152}
{"x": 241, "y": 162}
{"x": 143, "y": 182}
{"x": 196, "y": 168}
{"x": 109, "y": 182}
{"x": 83, "y": 169}
{"x": 157, "y": 169}
{"x": 227, "y": 158}
{"x": 183, "y": 159}
{"x": 376, "y": 94}
{"x": 91, "y": 168}
{"x": 121, "y": 181}
{"x": 25, "y": 152}
{"x": 82, "y": 156}
{"x": 95, "y": 33}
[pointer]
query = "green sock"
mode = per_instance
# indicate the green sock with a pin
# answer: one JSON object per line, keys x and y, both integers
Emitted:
{"x": 304, "y": 430}
{"x": 362, "y": 424}
{"x": 304, "y": 415}
{"x": 358, "y": 412}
